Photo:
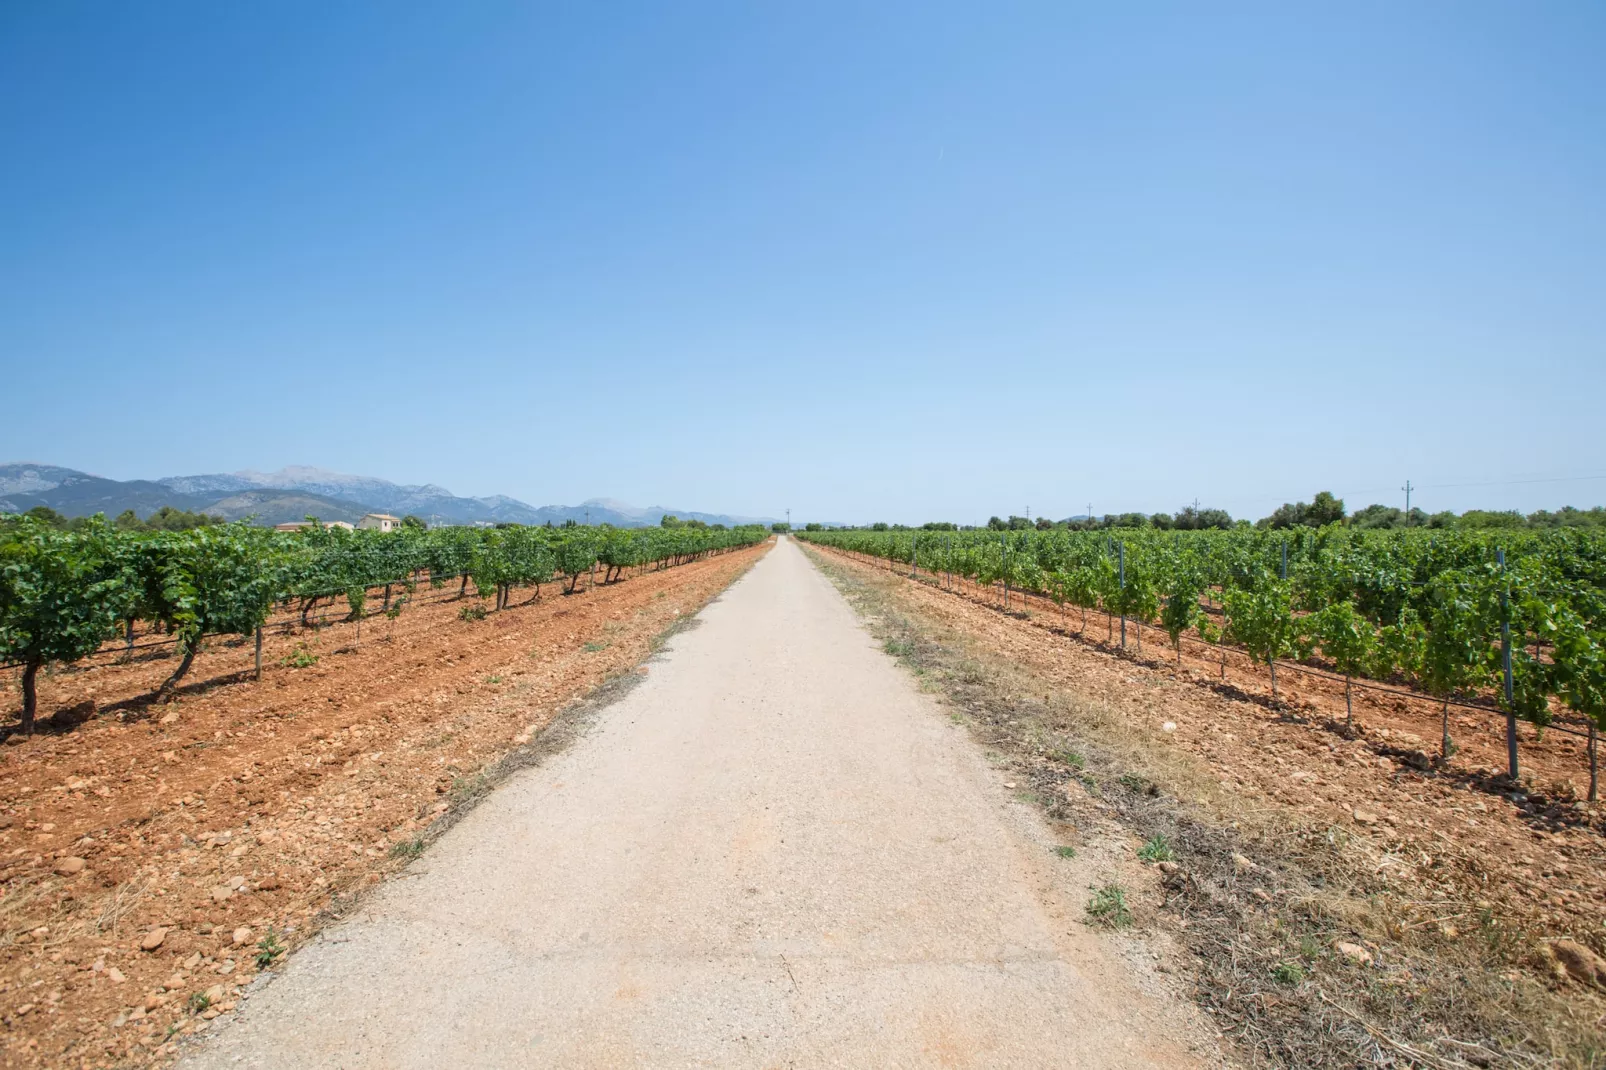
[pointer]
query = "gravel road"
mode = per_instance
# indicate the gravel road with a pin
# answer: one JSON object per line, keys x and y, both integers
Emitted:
{"x": 774, "y": 852}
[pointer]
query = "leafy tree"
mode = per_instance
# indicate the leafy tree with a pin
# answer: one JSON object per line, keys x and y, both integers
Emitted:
{"x": 1322, "y": 510}
{"x": 1045, "y": 524}
{"x": 60, "y": 595}
{"x": 814, "y": 527}
{"x": 414, "y": 523}
{"x": 1567, "y": 516}
{"x": 169, "y": 519}
{"x": 995, "y": 524}
{"x": 1378, "y": 517}
{"x": 1190, "y": 519}
{"x": 780, "y": 526}
{"x": 1475, "y": 519}
{"x": 43, "y": 514}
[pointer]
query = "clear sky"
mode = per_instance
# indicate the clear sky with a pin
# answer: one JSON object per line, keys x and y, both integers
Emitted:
{"x": 896, "y": 261}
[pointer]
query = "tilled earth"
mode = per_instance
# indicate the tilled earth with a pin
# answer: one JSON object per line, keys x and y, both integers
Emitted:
{"x": 1431, "y": 901}
{"x": 153, "y": 856}
{"x": 1538, "y": 853}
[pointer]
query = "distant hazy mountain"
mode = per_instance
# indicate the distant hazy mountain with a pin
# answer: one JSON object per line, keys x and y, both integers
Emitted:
{"x": 23, "y": 486}
{"x": 297, "y": 491}
{"x": 371, "y": 495}
{"x": 268, "y": 505}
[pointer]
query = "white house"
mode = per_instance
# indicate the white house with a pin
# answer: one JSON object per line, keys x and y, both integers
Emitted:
{"x": 379, "y": 522}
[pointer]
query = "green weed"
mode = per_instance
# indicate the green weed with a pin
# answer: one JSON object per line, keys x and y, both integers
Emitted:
{"x": 269, "y": 948}
{"x": 1158, "y": 849}
{"x": 299, "y": 658}
{"x": 1108, "y": 907}
{"x": 407, "y": 849}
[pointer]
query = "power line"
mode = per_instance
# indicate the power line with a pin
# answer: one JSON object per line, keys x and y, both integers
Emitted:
{"x": 1514, "y": 482}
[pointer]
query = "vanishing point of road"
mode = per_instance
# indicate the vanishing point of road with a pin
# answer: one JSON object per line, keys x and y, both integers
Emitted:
{"x": 775, "y": 852}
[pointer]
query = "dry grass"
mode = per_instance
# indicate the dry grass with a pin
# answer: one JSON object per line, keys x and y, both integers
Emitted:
{"x": 1260, "y": 895}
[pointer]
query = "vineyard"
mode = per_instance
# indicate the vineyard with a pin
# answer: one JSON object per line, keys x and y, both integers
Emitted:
{"x": 1514, "y": 623}
{"x": 69, "y": 595}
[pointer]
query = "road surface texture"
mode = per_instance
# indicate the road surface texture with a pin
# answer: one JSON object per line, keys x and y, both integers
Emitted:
{"x": 775, "y": 852}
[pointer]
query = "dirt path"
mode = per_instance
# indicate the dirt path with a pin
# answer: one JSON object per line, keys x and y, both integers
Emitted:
{"x": 776, "y": 851}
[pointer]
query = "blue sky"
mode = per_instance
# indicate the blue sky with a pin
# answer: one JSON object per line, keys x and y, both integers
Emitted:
{"x": 891, "y": 261}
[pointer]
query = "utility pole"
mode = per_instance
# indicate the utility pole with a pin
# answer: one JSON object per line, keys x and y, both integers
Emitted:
{"x": 789, "y": 520}
{"x": 588, "y": 518}
{"x": 1407, "y": 488}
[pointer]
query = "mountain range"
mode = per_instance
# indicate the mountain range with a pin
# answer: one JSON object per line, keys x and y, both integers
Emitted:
{"x": 298, "y": 491}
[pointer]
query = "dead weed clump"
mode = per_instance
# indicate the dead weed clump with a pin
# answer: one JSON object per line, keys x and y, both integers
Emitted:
{"x": 1303, "y": 951}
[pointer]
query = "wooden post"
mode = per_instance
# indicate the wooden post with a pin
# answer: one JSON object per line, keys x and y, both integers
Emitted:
{"x": 1594, "y": 769}
{"x": 1505, "y": 667}
{"x": 1004, "y": 543}
{"x": 259, "y": 651}
{"x": 1120, "y": 564}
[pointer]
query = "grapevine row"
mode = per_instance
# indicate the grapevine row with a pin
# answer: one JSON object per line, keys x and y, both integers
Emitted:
{"x": 1521, "y": 616}
{"x": 65, "y": 593}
